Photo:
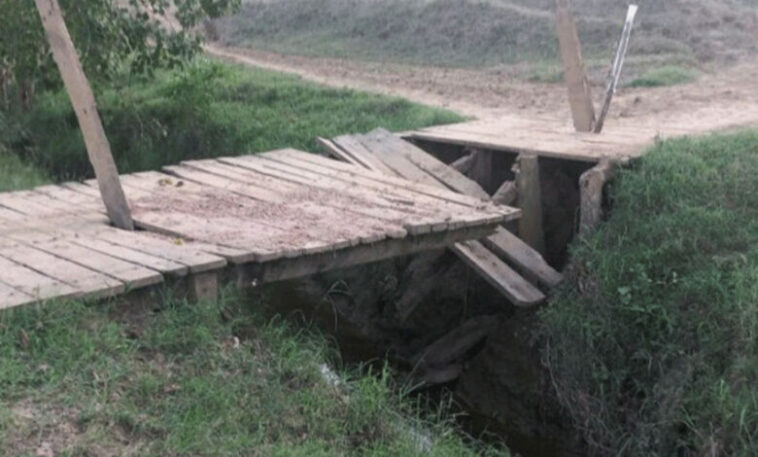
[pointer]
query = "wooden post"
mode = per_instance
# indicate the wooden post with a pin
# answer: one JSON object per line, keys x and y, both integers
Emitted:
{"x": 203, "y": 286}
{"x": 618, "y": 64}
{"x": 530, "y": 202}
{"x": 83, "y": 100}
{"x": 591, "y": 185}
{"x": 580, "y": 97}
{"x": 481, "y": 168}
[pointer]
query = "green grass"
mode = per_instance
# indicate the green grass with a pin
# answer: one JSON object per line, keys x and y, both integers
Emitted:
{"x": 15, "y": 174}
{"x": 666, "y": 75}
{"x": 653, "y": 339}
{"x": 209, "y": 379}
{"x": 206, "y": 110}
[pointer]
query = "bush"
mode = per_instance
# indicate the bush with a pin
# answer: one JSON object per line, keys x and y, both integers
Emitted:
{"x": 653, "y": 339}
{"x": 206, "y": 110}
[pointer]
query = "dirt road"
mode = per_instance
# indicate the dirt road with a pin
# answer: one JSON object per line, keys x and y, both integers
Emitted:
{"x": 715, "y": 101}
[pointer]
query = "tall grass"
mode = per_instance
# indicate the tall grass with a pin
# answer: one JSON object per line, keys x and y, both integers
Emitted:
{"x": 206, "y": 110}
{"x": 653, "y": 340}
{"x": 213, "y": 379}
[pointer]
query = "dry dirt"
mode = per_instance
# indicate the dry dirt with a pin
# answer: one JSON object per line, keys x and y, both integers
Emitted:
{"x": 490, "y": 93}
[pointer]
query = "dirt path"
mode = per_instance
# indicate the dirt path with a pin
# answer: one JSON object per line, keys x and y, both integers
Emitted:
{"x": 713, "y": 102}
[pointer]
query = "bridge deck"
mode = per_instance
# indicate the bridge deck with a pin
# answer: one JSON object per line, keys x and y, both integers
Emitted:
{"x": 261, "y": 218}
{"x": 555, "y": 137}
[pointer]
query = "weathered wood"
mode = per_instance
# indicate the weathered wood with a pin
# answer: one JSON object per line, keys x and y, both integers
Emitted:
{"x": 481, "y": 169}
{"x": 530, "y": 201}
{"x": 580, "y": 98}
{"x": 528, "y": 261}
{"x": 464, "y": 164}
{"x": 10, "y": 297}
{"x": 591, "y": 185}
{"x": 33, "y": 283}
{"x": 330, "y": 147}
{"x": 618, "y": 64}
{"x": 83, "y": 100}
{"x": 506, "y": 194}
{"x": 203, "y": 286}
{"x": 502, "y": 277}
{"x": 456, "y": 343}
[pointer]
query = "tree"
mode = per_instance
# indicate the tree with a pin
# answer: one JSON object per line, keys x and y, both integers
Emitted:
{"x": 110, "y": 36}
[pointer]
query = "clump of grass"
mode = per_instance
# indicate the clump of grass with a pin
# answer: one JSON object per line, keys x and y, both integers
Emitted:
{"x": 666, "y": 75}
{"x": 206, "y": 110}
{"x": 212, "y": 379}
{"x": 15, "y": 174}
{"x": 654, "y": 336}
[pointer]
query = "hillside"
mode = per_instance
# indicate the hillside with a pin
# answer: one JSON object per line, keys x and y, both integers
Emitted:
{"x": 471, "y": 33}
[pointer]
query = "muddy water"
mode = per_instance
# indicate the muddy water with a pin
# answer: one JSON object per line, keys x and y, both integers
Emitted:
{"x": 503, "y": 389}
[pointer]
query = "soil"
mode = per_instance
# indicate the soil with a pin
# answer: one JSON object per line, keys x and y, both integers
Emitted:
{"x": 490, "y": 93}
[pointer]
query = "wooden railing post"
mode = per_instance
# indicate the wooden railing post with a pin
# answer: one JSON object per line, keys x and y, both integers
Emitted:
{"x": 83, "y": 100}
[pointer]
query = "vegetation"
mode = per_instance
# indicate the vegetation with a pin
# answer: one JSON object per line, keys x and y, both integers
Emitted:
{"x": 667, "y": 75}
{"x": 211, "y": 379}
{"x": 110, "y": 36}
{"x": 476, "y": 33}
{"x": 653, "y": 338}
{"x": 205, "y": 110}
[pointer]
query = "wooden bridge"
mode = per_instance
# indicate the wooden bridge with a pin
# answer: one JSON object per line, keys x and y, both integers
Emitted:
{"x": 251, "y": 219}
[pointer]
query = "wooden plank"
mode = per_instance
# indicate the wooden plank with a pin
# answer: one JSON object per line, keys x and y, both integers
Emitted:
{"x": 133, "y": 275}
{"x": 395, "y": 159}
{"x": 618, "y": 64}
{"x": 529, "y": 262}
{"x": 580, "y": 98}
{"x": 165, "y": 266}
{"x": 177, "y": 250}
{"x": 84, "y": 281}
{"x": 443, "y": 173}
{"x": 591, "y": 185}
{"x": 85, "y": 108}
{"x": 32, "y": 283}
{"x": 352, "y": 146}
{"x": 325, "y": 211}
{"x": 498, "y": 274}
{"x": 530, "y": 201}
{"x": 10, "y": 297}
{"x": 331, "y": 147}
{"x": 21, "y": 203}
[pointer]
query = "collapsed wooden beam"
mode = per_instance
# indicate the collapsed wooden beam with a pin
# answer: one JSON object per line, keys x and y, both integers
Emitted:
{"x": 83, "y": 101}
{"x": 580, "y": 97}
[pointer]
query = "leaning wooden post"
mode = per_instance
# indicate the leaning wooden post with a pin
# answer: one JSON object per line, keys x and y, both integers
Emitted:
{"x": 83, "y": 100}
{"x": 580, "y": 97}
{"x": 618, "y": 64}
{"x": 529, "y": 191}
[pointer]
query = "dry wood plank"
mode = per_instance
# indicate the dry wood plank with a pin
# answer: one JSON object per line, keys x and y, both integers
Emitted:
{"x": 132, "y": 275}
{"x": 506, "y": 194}
{"x": 323, "y": 213}
{"x": 391, "y": 181}
{"x": 84, "y": 281}
{"x": 178, "y": 251}
{"x": 20, "y": 202}
{"x": 331, "y": 147}
{"x": 502, "y": 277}
{"x": 464, "y": 164}
{"x": 10, "y": 297}
{"x": 395, "y": 159}
{"x": 443, "y": 173}
{"x": 527, "y": 260}
{"x": 134, "y": 256}
{"x": 72, "y": 197}
{"x": 354, "y": 147}
{"x": 529, "y": 190}
{"x": 580, "y": 98}
{"x": 83, "y": 101}
{"x": 32, "y": 283}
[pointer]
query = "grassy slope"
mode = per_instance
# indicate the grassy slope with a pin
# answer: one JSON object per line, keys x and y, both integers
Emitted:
{"x": 211, "y": 379}
{"x": 207, "y": 110}
{"x": 654, "y": 338}
{"x": 474, "y": 33}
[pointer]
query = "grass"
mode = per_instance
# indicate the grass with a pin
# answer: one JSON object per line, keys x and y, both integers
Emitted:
{"x": 15, "y": 174}
{"x": 206, "y": 110}
{"x": 666, "y": 75}
{"x": 653, "y": 339}
{"x": 485, "y": 33}
{"x": 209, "y": 379}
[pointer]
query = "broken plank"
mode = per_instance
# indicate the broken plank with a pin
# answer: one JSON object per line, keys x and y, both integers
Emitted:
{"x": 503, "y": 278}
{"x": 529, "y": 261}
